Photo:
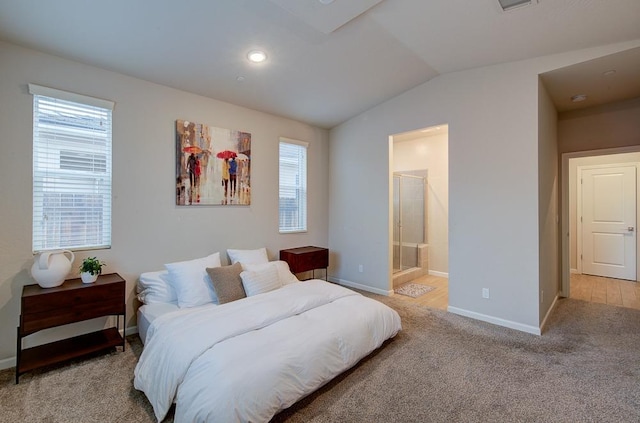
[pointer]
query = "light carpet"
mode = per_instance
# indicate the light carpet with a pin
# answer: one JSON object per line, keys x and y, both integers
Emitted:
{"x": 440, "y": 368}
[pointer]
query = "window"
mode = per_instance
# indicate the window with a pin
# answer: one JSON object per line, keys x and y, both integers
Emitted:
{"x": 293, "y": 186}
{"x": 71, "y": 170}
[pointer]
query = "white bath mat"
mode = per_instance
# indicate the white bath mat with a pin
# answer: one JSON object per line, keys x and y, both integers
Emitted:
{"x": 414, "y": 290}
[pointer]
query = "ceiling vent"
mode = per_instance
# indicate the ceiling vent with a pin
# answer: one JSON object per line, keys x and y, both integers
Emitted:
{"x": 515, "y": 4}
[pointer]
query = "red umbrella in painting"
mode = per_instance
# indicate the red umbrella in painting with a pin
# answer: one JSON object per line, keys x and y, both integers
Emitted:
{"x": 226, "y": 154}
{"x": 192, "y": 149}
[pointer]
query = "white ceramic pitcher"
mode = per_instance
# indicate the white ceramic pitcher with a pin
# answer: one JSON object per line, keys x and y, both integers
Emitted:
{"x": 50, "y": 268}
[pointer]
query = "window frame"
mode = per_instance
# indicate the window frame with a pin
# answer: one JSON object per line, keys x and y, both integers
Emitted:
{"x": 301, "y": 186}
{"x": 72, "y": 167}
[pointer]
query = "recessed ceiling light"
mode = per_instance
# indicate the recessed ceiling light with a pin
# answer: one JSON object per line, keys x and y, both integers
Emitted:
{"x": 609, "y": 72}
{"x": 326, "y": 1}
{"x": 578, "y": 98}
{"x": 257, "y": 56}
{"x": 240, "y": 78}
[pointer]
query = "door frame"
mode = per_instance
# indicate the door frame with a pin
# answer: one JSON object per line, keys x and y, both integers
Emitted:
{"x": 579, "y": 199}
{"x": 565, "y": 240}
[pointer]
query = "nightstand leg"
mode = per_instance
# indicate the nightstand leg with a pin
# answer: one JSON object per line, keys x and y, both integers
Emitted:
{"x": 18, "y": 354}
{"x": 124, "y": 329}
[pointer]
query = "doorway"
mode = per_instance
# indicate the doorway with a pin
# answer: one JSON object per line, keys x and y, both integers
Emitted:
{"x": 569, "y": 198}
{"x": 418, "y": 205}
{"x": 606, "y": 235}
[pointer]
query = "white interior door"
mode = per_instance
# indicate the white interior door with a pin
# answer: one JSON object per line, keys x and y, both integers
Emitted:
{"x": 609, "y": 222}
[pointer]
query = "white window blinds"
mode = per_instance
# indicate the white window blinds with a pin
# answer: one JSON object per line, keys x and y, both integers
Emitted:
{"x": 71, "y": 170}
{"x": 293, "y": 186}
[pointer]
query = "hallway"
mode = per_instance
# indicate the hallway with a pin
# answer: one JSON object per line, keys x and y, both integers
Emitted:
{"x": 595, "y": 289}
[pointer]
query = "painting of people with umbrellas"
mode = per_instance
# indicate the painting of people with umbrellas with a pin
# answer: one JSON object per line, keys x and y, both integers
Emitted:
{"x": 212, "y": 165}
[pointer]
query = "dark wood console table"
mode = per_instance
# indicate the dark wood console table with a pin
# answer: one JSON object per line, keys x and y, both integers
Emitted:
{"x": 73, "y": 301}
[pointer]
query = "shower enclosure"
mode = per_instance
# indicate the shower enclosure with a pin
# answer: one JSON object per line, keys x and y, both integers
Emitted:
{"x": 409, "y": 218}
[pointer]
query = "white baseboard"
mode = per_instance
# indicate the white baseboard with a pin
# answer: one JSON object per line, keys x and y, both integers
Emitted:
{"x": 131, "y": 330}
{"x": 7, "y": 363}
{"x": 574, "y": 271}
{"x": 495, "y": 320}
{"x": 441, "y": 274}
{"x": 544, "y": 321}
{"x": 360, "y": 286}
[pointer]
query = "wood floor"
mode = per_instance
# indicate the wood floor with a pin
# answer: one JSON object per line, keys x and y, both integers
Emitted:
{"x": 594, "y": 289}
{"x": 438, "y": 298}
{"x": 597, "y": 289}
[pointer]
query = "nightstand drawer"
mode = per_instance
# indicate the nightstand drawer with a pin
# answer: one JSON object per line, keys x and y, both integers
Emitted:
{"x": 33, "y": 322}
{"x": 303, "y": 259}
{"x": 77, "y": 297}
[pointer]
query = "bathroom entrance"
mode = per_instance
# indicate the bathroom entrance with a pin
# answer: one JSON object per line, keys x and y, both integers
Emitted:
{"x": 418, "y": 206}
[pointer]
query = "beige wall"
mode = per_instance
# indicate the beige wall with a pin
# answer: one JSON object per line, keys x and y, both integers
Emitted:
{"x": 431, "y": 153}
{"x": 548, "y": 217}
{"x": 609, "y": 126}
{"x": 148, "y": 229}
{"x": 494, "y": 206}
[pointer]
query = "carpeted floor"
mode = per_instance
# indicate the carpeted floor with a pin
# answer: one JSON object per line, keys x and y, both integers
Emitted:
{"x": 440, "y": 368}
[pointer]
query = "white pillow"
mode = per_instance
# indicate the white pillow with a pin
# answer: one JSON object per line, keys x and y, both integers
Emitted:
{"x": 154, "y": 287}
{"x": 191, "y": 282}
{"x": 259, "y": 282}
{"x": 284, "y": 273}
{"x": 248, "y": 256}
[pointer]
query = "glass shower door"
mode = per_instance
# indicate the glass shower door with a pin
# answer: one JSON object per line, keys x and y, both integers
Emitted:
{"x": 408, "y": 219}
{"x": 396, "y": 224}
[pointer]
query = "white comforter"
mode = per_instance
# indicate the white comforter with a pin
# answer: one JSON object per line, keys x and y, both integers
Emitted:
{"x": 247, "y": 360}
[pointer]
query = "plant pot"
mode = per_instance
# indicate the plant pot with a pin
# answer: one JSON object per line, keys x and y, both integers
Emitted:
{"x": 88, "y": 277}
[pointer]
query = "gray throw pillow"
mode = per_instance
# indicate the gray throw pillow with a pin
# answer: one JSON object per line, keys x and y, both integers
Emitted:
{"x": 227, "y": 282}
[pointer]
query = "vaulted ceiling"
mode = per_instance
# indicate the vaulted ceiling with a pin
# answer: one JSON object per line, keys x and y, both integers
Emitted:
{"x": 327, "y": 60}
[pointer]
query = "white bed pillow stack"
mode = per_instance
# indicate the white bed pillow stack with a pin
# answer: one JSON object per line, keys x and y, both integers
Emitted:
{"x": 282, "y": 267}
{"x": 248, "y": 256}
{"x": 191, "y": 282}
{"x": 154, "y": 287}
{"x": 187, "y": 283}
{"x": 259, "y": 274}
{"x": 259, "y": 282}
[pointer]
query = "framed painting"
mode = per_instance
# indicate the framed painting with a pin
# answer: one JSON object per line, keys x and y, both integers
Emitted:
{"x": 213, "y": 165}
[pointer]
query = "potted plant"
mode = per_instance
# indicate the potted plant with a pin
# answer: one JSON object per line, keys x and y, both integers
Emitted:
{"x": 90, "y": 268}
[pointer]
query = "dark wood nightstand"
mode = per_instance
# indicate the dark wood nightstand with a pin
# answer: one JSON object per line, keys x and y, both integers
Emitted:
{"x": 73, "y": 301}
{"x": 304, "y": 259}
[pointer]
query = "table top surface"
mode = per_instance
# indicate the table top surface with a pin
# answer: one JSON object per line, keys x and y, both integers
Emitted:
{"x": 68, "y": 284}
{"x": 302, "y": 250}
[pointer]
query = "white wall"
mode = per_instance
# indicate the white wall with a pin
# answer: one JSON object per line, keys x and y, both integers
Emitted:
{"x": 548, "y": 217}
{"x": 494, "y": 233}
{"x": 430, "y": 152}
{"x": 148, "y": 229}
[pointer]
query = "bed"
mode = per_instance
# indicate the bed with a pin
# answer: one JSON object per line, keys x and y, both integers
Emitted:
{"x": 248, "y": 359}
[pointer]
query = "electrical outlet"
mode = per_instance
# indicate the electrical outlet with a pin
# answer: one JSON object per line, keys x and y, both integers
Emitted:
{"x": 360, "y": 268}
{"x": 485, "y": 292}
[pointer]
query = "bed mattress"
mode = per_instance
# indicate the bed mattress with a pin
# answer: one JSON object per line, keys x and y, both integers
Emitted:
{"x": 148, "y": 313}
